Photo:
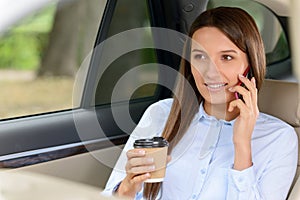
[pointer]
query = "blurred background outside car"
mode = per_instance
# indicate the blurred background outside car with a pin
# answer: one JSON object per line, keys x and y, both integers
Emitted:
{"x": 41, "y": 49}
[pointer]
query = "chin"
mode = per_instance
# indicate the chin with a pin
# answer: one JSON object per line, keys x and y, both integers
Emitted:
{"x": 217, "y": 99}
{"x": 221, "y": 100}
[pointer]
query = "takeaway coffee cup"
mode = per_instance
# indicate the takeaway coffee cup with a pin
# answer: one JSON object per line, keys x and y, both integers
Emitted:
{"x": 156, "y": 148}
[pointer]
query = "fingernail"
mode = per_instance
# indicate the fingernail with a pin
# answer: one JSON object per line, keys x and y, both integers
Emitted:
{"x": 152, "y": 167}
{"x": 150, "y": 160}
{"x": 142, "y": 152}
{"x": 241, "y": 75}
{"x": 230, "y": 89}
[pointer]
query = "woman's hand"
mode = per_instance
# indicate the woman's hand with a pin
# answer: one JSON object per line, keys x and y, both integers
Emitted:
{"x": 138, "y": 170}
{"x": 245, "y": 122}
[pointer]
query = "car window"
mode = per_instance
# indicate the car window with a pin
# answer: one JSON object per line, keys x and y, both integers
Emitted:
{"x": 274, "y": 36}
{"x": 41, "y": 52}
{"x": 141, "y": 76}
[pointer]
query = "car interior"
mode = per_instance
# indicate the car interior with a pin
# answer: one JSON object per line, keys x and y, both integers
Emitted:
{"x": 70, "y": 145}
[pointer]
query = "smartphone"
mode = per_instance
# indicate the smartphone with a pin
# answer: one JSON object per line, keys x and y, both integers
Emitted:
{"x": 248, "y": 73}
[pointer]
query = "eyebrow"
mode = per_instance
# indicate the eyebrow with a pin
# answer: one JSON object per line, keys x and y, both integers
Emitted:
{"x": 224, "y": 51}
{"x": 198, "y": 50}
{"x": 230, "y": 51}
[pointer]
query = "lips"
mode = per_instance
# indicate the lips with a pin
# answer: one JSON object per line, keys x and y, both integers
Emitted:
{"x": 215, "y": 86}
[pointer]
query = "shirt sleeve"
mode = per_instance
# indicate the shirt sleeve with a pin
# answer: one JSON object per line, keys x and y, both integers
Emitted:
{"x": 240, "y": 183}
{"x": 276, "y": 179}
{"x": 151, "y": 124}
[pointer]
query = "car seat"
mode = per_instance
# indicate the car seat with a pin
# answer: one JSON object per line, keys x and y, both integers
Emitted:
{"x": 281, "y": 99}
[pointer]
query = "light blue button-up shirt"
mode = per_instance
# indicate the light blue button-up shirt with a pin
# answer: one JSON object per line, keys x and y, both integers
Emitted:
{"x": 201, "y": 165}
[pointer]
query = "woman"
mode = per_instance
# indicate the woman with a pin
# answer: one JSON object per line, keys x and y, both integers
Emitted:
{"x": 221, "y": 146}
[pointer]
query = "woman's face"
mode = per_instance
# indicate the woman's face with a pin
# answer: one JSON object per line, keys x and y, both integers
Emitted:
{"x": 216, "y": 63}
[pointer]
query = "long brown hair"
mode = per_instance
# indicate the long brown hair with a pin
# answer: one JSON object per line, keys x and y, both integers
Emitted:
{"x": 241, "y": 29}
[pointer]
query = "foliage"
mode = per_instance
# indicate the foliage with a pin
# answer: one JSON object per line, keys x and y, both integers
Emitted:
{"x": 21, "y": 47}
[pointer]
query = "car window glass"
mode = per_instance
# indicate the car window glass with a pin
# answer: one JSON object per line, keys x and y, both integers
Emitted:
{"x": 140, "y": 76}
{"x": 274, "y": 37}
{"x": 41, "y": 51}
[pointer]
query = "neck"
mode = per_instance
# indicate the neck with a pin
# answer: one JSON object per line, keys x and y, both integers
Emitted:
{"x": 220, "y": 111}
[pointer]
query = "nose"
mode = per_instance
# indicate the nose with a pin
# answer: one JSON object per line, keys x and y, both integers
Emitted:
{"x": 211, "y": 71}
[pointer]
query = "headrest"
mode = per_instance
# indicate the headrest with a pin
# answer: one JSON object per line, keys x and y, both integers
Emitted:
{"x": 280, "y": 99}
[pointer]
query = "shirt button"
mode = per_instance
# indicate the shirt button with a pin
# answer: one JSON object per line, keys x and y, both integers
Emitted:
{"x": 240, "y": 179}
{"x": 203, "y": 171}
{"x": 227, "y": 123}
{"x": 194, "y": 196}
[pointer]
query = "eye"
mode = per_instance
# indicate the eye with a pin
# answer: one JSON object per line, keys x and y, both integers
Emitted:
{"x": 200, "y": 56}
{"x": 227, "y": 57}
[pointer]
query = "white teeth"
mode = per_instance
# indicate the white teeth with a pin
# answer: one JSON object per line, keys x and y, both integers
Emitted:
{"x": 216, "y": 86}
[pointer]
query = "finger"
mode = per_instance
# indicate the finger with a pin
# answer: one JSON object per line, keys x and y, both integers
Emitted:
{"x": 169, "y": 158}
{"x": 130, "y": 165}
{"x": 140, "y": 178}
{"x": 237, "y": 104}
{"x": 249, "y": 84}
{"x": 254, "y": 92}
{"x": 135, "y": 153}
{"x": 134, "y": 162}
{"x": 134, "y": 183}
{"x": 244, "y": 92}
{"x": 142, "y": 169}
{"x": 253, "y": 81}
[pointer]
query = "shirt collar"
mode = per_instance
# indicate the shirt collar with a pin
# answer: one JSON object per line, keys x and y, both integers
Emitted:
{"x": 202, "y": 115}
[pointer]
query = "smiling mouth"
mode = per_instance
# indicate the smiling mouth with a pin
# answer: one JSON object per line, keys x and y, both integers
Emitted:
{"x": 215, "y": 86}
